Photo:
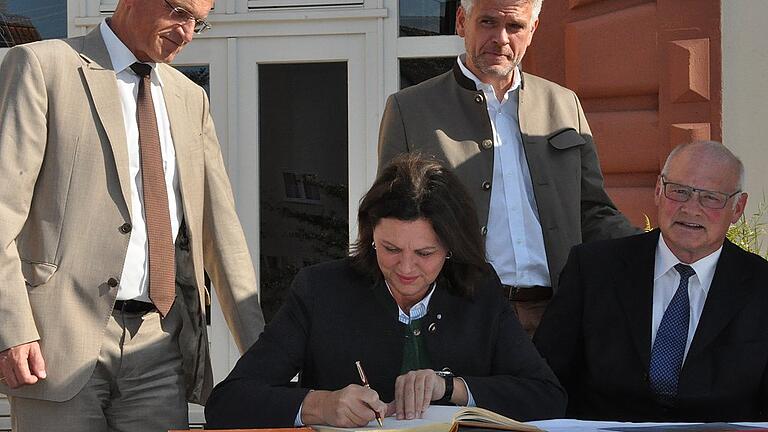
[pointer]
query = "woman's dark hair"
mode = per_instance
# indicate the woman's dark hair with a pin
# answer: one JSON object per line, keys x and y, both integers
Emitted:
{"x": 413, "y": 186}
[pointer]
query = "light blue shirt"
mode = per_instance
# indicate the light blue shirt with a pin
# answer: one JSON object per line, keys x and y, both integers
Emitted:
{"x": 514, "y": 243}
{"x": 419, "y": 310}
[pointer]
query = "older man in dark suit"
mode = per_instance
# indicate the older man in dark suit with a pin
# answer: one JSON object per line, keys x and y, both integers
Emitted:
{"x": 670, "y": 325}
{"x": 520, "y": 144}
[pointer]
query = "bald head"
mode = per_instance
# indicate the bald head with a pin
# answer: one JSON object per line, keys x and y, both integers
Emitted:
{"x": 712, "y": 154}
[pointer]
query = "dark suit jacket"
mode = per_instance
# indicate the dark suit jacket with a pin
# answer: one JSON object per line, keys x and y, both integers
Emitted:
{"x": 602, "y": 355}
{"x": 335, "y": 316}
{"x": 447, "y": 117}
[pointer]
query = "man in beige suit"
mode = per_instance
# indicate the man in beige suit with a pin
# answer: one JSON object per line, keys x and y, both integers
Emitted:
{"x": 520, "y": 144}
{"x": 102, "y": 300}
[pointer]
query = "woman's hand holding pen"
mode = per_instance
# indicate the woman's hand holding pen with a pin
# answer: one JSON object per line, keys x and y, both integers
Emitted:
{"x": 354, "y": 405}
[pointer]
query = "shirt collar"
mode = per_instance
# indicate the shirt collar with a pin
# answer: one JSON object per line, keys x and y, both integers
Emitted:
{"x": 704, "y": 268}
{"x": 122, "y": 58}
{"x": 419, "y": 310}
{"x": 516, "y": 80}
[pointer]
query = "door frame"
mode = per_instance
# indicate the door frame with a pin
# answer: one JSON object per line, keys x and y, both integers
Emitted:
{"x": 234, "y": 96}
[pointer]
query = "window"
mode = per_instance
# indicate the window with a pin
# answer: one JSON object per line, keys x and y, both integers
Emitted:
{"x": 303, "y": 172}
{"x": 428, "y": 17}
{"x": 199, "y": 74}
{"x": 416, "y": 70}
{"x": 275, "y": 4}
{"x": 23, "y": 21}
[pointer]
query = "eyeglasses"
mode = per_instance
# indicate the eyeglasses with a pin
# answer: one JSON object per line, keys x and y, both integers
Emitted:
{"x": 683, "y": 193}
{"x": 183, "y": 16}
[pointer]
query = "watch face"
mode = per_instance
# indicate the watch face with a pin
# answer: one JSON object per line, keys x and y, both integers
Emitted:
{"x": 444, "y": 373}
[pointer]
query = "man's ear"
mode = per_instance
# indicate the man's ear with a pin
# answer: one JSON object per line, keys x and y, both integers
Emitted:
{"x": 535, "y": 26}
{"x": 739, "y": 207}
{"x": 461, "y": 17}
{"x": 657, "y": 193}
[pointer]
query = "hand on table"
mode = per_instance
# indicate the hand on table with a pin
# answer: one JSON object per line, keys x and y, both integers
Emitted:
{"x": 414, "y": 391}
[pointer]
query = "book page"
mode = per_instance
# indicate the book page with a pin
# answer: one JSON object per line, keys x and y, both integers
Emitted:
{"x": 436, "y": 419}
{"x": 439, "y": 418}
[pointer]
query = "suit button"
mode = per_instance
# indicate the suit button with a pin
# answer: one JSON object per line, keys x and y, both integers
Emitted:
{"x": 112, "y": 282}
{"x": 484, "y": 230}
{"x": 126, "y": 228}
{"x": 479, "y": 98}
{"x": 487, "y": 144}
{"x": 486, "y": 186}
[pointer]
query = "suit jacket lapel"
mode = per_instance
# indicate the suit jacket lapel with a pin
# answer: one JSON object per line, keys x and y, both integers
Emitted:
{"x": 729, "y": 293}
{"x": 180, "y": 133}
{"x": 102, "y": 85}
{"x": 440, "y": 325}
{"x": 634, "y": 289}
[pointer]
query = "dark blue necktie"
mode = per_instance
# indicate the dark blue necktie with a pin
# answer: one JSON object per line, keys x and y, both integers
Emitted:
{"x": 669, "y": 347}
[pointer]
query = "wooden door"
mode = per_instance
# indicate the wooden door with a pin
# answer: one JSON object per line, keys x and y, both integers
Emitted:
{"x": 648, "y": 74}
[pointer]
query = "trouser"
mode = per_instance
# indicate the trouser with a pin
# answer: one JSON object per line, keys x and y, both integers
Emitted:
{"x": 529, "y": 304}
{"x": 137, "y": 384}
{"x": 529, "y": 314}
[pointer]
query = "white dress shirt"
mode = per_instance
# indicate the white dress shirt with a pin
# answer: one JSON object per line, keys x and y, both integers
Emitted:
{"x": 666, "y": 280}
{"x": 134, "y": 280}
{"x": 514, "y": 243}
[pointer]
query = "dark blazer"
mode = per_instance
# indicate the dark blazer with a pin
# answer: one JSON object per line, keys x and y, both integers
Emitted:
{"x": 602, "y": 355}
{"x": 447, "y": 117}
{"x": 335, "y": 316}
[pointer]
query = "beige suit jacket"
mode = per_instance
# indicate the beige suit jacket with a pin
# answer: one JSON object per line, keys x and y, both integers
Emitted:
{"x": 65, "y": 194}
{"x": 447, "y": 117}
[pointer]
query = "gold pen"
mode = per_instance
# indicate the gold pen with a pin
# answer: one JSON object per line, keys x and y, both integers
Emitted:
{"x": 364, "y": 379}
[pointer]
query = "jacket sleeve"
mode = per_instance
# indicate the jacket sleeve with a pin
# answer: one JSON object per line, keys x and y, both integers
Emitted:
{"x": 559, "y": 337}
{"x": 521, "y": 385}
{"x": 258, "y": 392}
{"x": 600, "y": 219}
{"x": 225, "y": 251}
{"x": 23, "y": 137}
{"x": 392, "y": 137}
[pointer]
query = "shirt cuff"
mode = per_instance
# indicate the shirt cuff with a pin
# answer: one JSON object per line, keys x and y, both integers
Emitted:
{"x": 470, "y": 398}
{"x": 297, "y": 422}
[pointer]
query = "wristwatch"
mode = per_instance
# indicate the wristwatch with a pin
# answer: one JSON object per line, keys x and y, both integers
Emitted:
{"x": 448, "y": 377}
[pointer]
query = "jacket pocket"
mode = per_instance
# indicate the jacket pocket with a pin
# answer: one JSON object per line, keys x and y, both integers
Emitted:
{"x": 566, "y": 139}
{"x": 37, "y": 273}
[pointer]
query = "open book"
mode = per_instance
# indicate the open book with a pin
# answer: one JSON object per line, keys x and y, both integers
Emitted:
{"x": 443, "y": 419}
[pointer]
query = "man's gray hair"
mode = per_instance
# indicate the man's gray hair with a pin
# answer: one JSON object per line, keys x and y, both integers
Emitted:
{"x": 467, "y": 5}
{"x": 713, "y": 150}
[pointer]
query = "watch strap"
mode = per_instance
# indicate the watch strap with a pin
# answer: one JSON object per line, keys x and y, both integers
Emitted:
{"x": 446, "y": 399}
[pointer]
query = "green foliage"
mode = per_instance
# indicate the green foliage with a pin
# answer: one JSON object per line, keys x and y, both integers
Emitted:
{"x": 749, "y": 232}
{"x": 647, "y": 227}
